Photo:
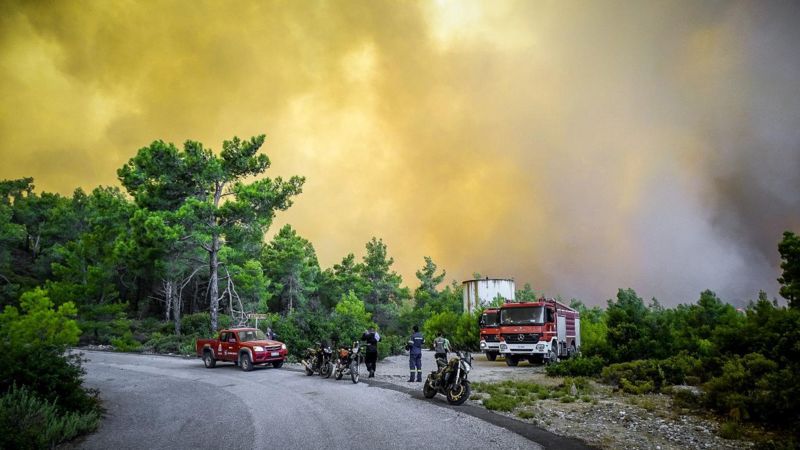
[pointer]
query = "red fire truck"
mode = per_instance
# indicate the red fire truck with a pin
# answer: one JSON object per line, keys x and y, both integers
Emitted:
{"x": 540, "y": 331}
{"x": 489, "y": 324}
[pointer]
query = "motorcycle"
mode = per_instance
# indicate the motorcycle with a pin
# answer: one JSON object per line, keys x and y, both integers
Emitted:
{"x": 450, "y": 379}
{"x": 348, "y": 361}
{"x": 318, "y": 359}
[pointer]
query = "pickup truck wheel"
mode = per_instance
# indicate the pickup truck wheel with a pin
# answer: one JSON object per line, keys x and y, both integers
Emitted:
{"x": 208, "y": 360}
{"x": 245, "y": 363}
{"x": 277, "y": 364}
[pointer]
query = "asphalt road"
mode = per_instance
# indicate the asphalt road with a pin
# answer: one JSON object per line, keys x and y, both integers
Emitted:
{"x": 159, "y": 402}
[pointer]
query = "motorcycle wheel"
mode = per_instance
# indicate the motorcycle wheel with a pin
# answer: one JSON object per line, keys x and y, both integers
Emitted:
{"x": 459, "y": 393}
{"x": 354, "y": 372}
{"x": 309, "y": 372}
{"x": 339, "y": 371}
{"x": 326, "y": 370}
{"x": 427, "y": 390}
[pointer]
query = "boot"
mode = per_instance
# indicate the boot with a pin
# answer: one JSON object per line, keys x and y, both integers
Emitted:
{"x": 371, "y": 374}
{"x": 411, "y": 378}
{"x": 419, "y": 376}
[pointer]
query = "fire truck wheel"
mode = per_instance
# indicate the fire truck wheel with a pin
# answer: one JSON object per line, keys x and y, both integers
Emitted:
{"x": 491, "y": 356}
{"x": 511, "y": 361}
{"x": 552, "y": 357}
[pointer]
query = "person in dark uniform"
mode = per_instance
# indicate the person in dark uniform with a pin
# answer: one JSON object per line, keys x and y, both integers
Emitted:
{"x": 372, "y": 338}
{"x": 415, "y": 355}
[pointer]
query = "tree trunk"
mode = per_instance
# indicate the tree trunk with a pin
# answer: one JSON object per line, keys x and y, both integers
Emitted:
{"x": 169, "y": 292}
{"x": 213, "y": 280}
{"x": 176, "y": 314}
{"x": 214, "y": 258}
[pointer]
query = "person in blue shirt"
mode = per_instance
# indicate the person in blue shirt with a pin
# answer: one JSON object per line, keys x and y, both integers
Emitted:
{"x": 415, "y": 355}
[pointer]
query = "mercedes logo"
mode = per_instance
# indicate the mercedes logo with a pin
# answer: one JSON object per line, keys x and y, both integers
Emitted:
{"x": 521, "y": 337}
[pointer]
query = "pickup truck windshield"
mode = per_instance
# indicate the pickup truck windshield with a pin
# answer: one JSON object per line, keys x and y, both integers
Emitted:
{"x": 252, "y": 335}
{"x": 522, "y": 316}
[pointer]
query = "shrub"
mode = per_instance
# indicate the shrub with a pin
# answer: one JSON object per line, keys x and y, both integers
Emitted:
{"x": 126, "y": 343}
{"x": 170, "y": 343}
{"x": 636, "y": 377}
{"x": 391, "y": 345}
{"x": 501, "y": 402}
{"x": 730, "y": 430}
{"x": 580, "y": 366}
{"x": 26, "y": 421}
{"x": 754, "y": 387}
{"x": 200, "y": 324}
{"x": 526, "y": 415}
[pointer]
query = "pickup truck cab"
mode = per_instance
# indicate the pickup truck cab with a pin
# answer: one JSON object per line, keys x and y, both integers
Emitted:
{"x": 243, "y": 346}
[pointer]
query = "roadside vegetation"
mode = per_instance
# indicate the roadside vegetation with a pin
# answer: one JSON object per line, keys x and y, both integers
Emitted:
{"x": 180, "y": 252}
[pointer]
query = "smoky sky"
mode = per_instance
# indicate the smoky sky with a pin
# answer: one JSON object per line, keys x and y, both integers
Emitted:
{"x": 580, "y": 147}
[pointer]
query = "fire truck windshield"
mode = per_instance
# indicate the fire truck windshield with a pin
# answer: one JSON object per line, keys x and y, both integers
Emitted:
{"x": 489, "y": 320}
{"x": 522, "y": 316}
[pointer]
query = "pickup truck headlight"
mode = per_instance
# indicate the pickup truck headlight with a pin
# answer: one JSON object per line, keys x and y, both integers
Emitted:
{"x": 258, "y": 348}
{"x": 283, "y": 346}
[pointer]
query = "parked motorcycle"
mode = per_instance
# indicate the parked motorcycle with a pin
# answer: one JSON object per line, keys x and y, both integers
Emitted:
{"x": 348, "y": 361}
{"x": 450, "y": 379}
{"x": 318, "y": 360}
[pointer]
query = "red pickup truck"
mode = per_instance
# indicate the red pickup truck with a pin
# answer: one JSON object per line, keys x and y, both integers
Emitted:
{"x": 243, "y": 346}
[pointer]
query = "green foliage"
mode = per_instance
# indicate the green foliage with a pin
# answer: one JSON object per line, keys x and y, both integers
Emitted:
{"x": 752, "y": 387}
{"x": 501, "y": 402}
{"x": 170, "y": 343}
{"x": 508, "y": 395}
{"x": 582, "y": 366}
{"x": 428, "y": 281}
{"x": 104, "y": 323}
{"x": 635, "y": 377}
{"x": 350, "y": 319}
{"x": 789, "y": 248}
{"x": 28, "y": 422}
{"x": 461, "y": 329}
{"x": 200, "y": 324}
{"x": 40, "y": 326}
{"x": 526, "y": 294}
{"x": 41, "y": 334}
{"x": 391, "y": 345}
{"x": 290, "y": 263}
{"x": 382, "y": 284}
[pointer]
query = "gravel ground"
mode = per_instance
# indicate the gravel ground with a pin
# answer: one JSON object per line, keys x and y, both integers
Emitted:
{"x": 613, "y": 421}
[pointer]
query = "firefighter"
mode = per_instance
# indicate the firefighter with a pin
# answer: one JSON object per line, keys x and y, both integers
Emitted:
{"x": 415, "y": 355}
{"x": 441, "y": 345}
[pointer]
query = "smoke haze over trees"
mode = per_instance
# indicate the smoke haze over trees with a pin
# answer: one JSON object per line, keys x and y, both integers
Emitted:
{"x": 579, "y": 147}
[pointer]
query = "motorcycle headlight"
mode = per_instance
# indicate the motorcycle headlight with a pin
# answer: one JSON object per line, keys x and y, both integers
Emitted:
{"x": 465, "y": 366}
{"x": 283, "y": 346}
{"x": 258, "y": 348}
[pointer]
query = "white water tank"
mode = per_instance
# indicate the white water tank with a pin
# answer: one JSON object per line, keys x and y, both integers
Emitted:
{"x": 482, "y": 291}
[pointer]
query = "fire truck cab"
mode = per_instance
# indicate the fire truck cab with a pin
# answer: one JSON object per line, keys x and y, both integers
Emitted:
{"x": 540, "y": 331}
{"x": 489, "y": 323}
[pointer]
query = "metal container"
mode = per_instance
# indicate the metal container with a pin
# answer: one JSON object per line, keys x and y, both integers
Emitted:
{"x": 481, "y": 292}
